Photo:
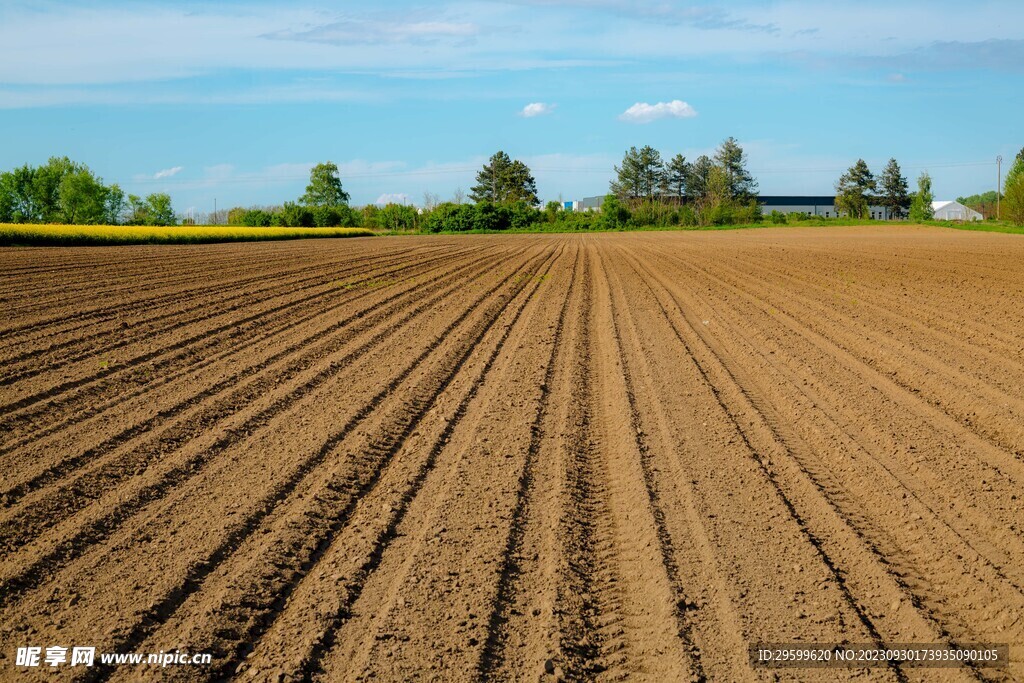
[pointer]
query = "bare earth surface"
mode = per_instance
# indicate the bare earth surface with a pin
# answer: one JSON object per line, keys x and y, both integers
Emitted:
{"x": 521, "y": 458}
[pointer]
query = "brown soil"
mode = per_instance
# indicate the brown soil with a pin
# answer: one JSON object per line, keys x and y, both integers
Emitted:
{"x": 514, "y": 458}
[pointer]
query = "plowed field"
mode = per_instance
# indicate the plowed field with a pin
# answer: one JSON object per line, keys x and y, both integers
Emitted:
{"x": 515, "y": 458}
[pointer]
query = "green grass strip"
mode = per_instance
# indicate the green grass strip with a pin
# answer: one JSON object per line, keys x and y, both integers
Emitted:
{"x": 106, "y": 235}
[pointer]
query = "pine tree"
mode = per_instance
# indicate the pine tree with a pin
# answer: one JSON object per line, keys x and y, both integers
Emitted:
{"x": 697, "y": 178}
{"x": 504, "y": 180}
{"x": 894, "y": 196}
{"x": 641, "y": 175}
{"x": 731, "y": 158}
{"x": 855, "y": 190}
{"x": 676, "y": 174}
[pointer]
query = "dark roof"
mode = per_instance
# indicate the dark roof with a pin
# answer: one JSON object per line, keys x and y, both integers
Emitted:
{"x": 783, "y": 200}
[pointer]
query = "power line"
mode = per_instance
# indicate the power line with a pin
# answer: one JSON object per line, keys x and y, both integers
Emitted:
{"x": 454, "y": 171}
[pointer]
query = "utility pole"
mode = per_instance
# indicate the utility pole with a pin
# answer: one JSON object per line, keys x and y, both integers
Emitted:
{"x": 999, "y": 182}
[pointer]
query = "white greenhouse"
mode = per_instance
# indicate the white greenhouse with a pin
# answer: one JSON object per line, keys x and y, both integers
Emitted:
{"x": 954, "y": 211}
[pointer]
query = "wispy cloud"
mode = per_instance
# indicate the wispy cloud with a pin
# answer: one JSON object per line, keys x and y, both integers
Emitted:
{"x": 536, "y": 109}
{"x": 939, "y": 56}
{"x": 642, "y": 112}
{"x": 701, "y": 17}
{"x": 362, "y": 31}
{"x": 996, "y": 55}
{"x": 168, "y": 172}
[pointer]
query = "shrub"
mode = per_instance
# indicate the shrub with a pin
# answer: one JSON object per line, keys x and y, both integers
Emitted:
{"x": 777, "y": 217}
{"x": 257, "y": 218}
{"x": 614, "y": 216}
{"x": 397, "y": 217}
{"x": 450, "y": 217}
{"x": 295, "y": 216}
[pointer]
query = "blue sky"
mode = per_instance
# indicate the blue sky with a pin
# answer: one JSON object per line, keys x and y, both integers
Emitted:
{"x": 237, "y": 100}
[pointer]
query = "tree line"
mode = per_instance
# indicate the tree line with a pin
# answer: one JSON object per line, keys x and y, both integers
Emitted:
{"x": 64, "y": 191}
{"x": 1009, "y": 204}
{"x": 713, "y": 190}
{"x": 858, "y": 189}
{"x": 647, "y": 190}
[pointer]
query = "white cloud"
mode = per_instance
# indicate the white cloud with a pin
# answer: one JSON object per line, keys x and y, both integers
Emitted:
{"x": 392, "y": 198}
{"x": 641, "y": 112}
{"x": 168, "y": 172}
{"x": 536, "y": 109}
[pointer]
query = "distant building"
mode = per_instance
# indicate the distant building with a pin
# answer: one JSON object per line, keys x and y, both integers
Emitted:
{"x": 589, "y": 204}
{"x": 954, "y": 211}
{"x": 824, "y": 206}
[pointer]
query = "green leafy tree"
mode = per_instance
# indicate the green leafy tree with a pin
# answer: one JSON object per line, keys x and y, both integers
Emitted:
{"x": 1016, "y": 169}
{"x": 1013, "y": 194}
{"x": 324, "y": 187}
{"x": 641, "y": 175}
{"x": 614, "y": 215}
{"x": 551, "y": 211}
{"x": 984, "y": 203}
{"x": 697, "y": 179}
{"x": 17, "y": 196}
{"x": 677, "y": 173}
{"x": 61, "y": 191}
{"x": 731, "y": 158}
{"x": 921, "y": 204}
{"x": 717, "y": 204}
{"x": 396, "y": 217}
{"x": 257, "y": 218}
{"x": 450, "y": 217}
{"x": 46, "y": 187}
{"x": 137, "y": 210}
{"x": 115, "y": 205}
{"x": 81, "y": 198}
{"x": 235, "y": 215}
{"x": 855, "y": 190}
{"x": 158, "y": 209}
{"x": 294, "y": 215}
{"x": 893, "y": 193}
{"x": 333, "y": 216}
{"x": 503, "y": 180}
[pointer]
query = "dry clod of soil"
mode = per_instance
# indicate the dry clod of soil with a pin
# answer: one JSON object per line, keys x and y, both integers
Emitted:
{"x": 585, "y": 457}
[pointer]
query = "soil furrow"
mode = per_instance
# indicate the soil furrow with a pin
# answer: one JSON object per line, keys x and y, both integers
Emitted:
{"x": 374, "y": 314}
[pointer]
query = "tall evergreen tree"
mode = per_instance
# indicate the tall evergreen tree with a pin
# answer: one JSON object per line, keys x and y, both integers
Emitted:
{"x": 893, "y": 190}
{"x": 490, "y": 177}
{"x": 855, "y": 190}
{"x": 677, "y": 171}
{"x": 504, "y": 180}
{"x": 641, "y": 176}
{"x": 697, "y": 178}
{"x": 731, "y": 158}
